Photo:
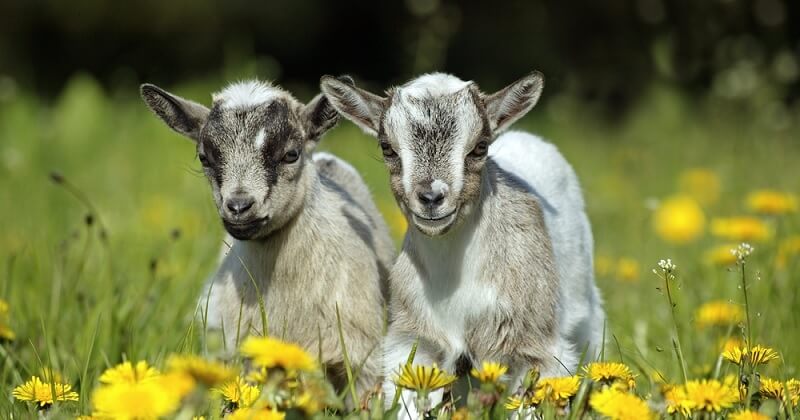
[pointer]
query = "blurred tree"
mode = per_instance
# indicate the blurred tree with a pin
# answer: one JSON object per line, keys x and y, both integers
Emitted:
{"x": 605, "y": 51}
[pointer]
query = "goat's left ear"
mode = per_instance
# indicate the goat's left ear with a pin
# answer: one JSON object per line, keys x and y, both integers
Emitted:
{"x": 514, "y": 101}
{"x": 318, "y": 117}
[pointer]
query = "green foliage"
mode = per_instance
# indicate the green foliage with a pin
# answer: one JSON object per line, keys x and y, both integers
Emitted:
{"x": 87, "y": 294}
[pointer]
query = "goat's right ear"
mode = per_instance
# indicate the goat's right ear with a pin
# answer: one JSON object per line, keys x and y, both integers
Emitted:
{"x": 182, "y": 115}
{"x": 357, "y": 105}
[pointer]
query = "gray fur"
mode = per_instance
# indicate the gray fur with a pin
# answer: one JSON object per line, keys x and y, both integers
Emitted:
{"x": 499, "y": 266}
{"x": 313, "y": 238}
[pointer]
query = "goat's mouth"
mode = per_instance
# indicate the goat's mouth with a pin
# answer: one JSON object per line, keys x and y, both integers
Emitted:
{"x": 245, "y": 230}
{"x": 434, "y": 225}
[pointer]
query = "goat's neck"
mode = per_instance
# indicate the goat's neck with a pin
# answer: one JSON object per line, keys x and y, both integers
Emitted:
{"x": 446, "y": 259}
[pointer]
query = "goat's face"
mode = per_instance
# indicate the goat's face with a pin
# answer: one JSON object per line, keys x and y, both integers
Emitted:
{"x": 255, "y": 146}
{"x": 434, "y": 133}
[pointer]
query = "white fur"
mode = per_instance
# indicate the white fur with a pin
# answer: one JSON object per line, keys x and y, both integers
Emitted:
{"x": 439, "y": 186}
{"x": 403, "y": 111}
{"x": 246, "y": 94}
{"x": 433, "y": 84}
{"x": 543, "y": 167}
{"x": 260, "y": 138}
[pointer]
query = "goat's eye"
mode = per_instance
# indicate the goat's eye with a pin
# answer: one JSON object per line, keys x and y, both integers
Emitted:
{"x": 387, "y": 150}
{"x": 291, "y": 156}
{"x": 480, "y": 149}
{"x": 204, "y": 159}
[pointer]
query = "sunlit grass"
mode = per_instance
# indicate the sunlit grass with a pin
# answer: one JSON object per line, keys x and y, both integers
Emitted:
{"x": 91, "y": 286}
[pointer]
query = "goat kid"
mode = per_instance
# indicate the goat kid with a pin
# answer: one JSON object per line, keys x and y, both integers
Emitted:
{"x": 306, "y": 236}
{"x": 497, "y": 262}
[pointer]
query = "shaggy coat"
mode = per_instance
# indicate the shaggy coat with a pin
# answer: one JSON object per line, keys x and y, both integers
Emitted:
{"x": 497, "y": 262}
{"x": 304, "y": 238}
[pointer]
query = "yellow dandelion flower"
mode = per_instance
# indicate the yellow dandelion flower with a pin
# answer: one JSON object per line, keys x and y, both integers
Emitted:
{"x": 771, "y": 388}
{"x": 461, "y": 414}
{"x": 603, "y": 265}
{"x": 710, "y": 395}
{"x": 256, "y": 414}
{"x": 238, "y": 392}
{"x": 258, "y": 376}
{"x": 679, "y": 220}
{"x": 701, "y": 184}
{"x": 44, "y": 393}
{"x": 718, "y": 313}
{"x": 126, "y": 372}
{"x": 676, "y": 400}
{"x": 744, "y": 228}
{"x": 628, "y": 270}
{"x": 490, "y": 372}
{"x": 6, "y": 333}
{"x": 137, "y": 400}
{"x": 756, "y": 355}
{"x": 619, "y": 405}
{"x": 771, "y": 202}
{"x": 788, "y": 248}
{"x": 514, "y": 402}
{"x": 556, "y": 390}
{"x": 721, "y": 255}
{"x": 308, "y": 403}
{"x": 748, "y": 415}
{"x": 179, "y": 384}
{"x": 48, "y": 374}
{"x": 794, "y": 391}
{"x": 269, "y": 352}
{"x": 610, "y": 372}
{"x": 204, "y": 371}
{"x": 731, "y": 343}
{"x": 422, "y": 378}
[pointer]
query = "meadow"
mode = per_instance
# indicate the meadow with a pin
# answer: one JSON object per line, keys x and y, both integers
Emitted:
{"x": 108, "y": 231}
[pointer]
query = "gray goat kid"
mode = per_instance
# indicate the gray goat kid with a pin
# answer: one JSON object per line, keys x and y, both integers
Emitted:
{"x": 497, "y": 262}
{"x": 303, "y": 225}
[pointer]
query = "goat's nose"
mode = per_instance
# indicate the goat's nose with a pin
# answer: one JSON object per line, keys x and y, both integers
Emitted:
{"x": 239, "y": 205}
{"x": 431, "y": 198}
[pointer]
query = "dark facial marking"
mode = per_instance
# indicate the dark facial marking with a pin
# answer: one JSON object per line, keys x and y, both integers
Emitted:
{"x": 282, "y": 134}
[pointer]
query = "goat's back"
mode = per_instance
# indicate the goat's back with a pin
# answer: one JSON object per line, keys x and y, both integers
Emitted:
{"x": 339, "y": 175}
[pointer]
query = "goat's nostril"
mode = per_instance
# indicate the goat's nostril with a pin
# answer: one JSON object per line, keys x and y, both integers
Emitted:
{"x": 431, "y": 198}
{"x": 239, "y": 205}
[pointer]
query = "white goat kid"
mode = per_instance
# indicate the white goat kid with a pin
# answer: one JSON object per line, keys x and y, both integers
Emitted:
{"x": 306, "y": 235}
{"x": 497, "y": 262}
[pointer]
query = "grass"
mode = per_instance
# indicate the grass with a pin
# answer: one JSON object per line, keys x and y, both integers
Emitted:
{"x": 85, "y": 295}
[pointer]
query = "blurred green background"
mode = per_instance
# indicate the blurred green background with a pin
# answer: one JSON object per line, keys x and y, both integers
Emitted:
{"x": 638, "y": 93}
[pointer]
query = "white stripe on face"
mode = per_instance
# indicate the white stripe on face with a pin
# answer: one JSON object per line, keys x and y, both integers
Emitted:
{"x": 399, "y": 119}
{"x": 439, "y": 187}
{"x": 260, "y": 138}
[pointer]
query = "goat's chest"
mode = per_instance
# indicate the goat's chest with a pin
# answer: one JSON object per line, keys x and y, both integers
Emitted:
{"x": 458, "y": 292}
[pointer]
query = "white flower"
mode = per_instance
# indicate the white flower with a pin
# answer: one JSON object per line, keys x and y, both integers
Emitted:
{"x": 667, "y": 265}
{"x": 742, "y": 252}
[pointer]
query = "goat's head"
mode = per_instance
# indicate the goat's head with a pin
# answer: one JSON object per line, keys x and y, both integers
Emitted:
{"x": 434, "y": 133}
{"x": 255, "y": 145}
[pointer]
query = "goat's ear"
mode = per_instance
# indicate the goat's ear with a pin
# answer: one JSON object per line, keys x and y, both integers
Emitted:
{"x": 318, "y": 117}
{"x": 357, "y": 105}
{"x": 182, "y": 115}
{"x": 514, "y": 101}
